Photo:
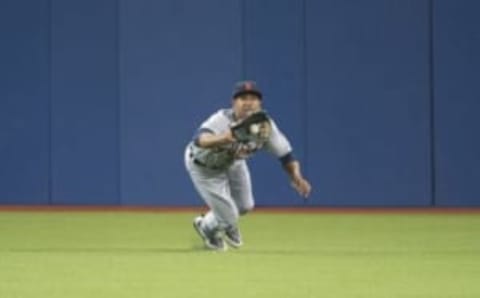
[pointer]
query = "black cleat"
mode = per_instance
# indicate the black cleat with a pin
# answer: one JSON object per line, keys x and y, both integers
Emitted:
{"x": 233, "y": 237}
{"x": 212, "y": 239}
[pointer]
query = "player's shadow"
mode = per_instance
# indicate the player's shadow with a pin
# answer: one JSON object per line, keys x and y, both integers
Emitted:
{"x": 105, "y": 250}
{"x": 194, "y": 247}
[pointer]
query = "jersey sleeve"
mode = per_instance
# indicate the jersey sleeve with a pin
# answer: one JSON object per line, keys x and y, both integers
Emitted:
{"x": 278, "y": 143}
{"x": 215, "y": 123}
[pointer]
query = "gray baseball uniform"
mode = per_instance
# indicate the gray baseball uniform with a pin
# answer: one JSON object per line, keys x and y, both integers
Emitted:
{"x": 221, "y": 175}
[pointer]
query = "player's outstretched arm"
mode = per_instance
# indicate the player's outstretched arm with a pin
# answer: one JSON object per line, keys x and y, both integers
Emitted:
{"x": 301, "y": 185}
{"x": 209, "y": 140}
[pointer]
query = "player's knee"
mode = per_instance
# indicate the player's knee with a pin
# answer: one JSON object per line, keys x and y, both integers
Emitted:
{"x": 244, "y": 209}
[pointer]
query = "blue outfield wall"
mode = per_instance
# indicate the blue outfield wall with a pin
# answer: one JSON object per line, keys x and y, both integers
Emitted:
{"x": 456, "y": 38}
{"x": 24, "y": 102}
{"x": 368, "y": 102}
{"x": 84, "y": 106}
{"x": 99, "y": 98}
{"x": 178, "y": 60}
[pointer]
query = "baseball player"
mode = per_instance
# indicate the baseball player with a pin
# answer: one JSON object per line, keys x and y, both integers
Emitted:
{"x": 216, "y": 162}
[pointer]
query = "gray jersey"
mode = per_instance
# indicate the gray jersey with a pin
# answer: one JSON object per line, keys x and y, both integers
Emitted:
{"x": 225, "y": 156}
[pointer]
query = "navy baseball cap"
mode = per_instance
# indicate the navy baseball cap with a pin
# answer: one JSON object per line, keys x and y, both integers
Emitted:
{"x": 246, "y": 87}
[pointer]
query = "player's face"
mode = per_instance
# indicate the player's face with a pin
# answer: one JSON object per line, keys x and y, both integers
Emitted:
{"x": 246, "y": 104}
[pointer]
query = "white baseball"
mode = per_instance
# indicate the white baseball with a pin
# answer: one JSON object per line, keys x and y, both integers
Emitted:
{"x": 255, "y": 129}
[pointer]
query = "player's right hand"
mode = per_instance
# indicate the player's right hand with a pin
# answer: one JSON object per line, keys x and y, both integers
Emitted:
{"x": 302, "y": 186}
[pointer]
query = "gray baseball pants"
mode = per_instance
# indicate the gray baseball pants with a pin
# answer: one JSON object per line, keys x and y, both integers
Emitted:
{"x": 228, "y": 193}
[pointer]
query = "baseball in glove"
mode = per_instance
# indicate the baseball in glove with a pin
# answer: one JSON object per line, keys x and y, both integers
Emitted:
{"x": 254, "y": 128}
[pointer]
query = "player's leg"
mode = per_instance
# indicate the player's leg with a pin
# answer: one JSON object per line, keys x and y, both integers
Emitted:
{"x": 223, "y": 212}
{"x": 242, "y": 195}
{"x": 241, "y": 187}
{"x": 215, "y": 191}
{"x": 214, "y": 188}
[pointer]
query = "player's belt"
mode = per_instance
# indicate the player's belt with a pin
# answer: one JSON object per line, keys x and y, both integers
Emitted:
{"x": 203, "y": 165}
{"x": 199, "y": 163}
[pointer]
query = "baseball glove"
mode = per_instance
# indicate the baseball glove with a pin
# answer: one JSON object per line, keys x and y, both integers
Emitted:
{"x": 256, "y": 127}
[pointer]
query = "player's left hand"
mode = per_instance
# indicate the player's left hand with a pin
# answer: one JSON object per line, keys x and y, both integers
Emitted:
{"x": 302, "y": 186}
{"x": 255, "y": 127}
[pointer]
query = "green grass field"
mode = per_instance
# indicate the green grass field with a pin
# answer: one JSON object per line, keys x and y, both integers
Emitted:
{"x": 116, "y": 254}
